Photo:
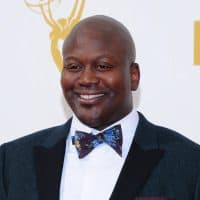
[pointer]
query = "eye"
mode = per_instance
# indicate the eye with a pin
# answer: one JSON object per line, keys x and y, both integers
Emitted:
{"x": 73, "y": 67}
{"x": 104, "y": 67}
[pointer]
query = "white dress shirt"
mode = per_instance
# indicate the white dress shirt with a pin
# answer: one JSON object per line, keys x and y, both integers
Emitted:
{"x": 95, "y": 175}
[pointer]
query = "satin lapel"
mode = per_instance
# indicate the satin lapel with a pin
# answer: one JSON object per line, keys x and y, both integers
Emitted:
{"x": 49, "y": 159}
{"x": 143, "y": 156}
{"x": 136, "y": 170}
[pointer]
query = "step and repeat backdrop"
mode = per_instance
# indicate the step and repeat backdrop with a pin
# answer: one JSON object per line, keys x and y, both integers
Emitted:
{"x": 167, "y": 37}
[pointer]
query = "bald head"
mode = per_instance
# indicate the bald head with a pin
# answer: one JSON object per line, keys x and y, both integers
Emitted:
{"x": 106, "y": 28}
{"x": 99, "y": 72}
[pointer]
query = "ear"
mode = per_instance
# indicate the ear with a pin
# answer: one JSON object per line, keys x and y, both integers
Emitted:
{"x": 135, "y": 76}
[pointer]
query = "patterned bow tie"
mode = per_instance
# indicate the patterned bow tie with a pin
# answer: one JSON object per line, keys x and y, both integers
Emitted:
{"x": 85, "y": 142}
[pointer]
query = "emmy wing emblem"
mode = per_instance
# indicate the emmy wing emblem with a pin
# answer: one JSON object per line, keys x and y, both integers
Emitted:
{"x": 60, "y": 28}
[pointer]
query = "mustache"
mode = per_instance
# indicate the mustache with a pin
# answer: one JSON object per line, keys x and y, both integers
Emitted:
{"x": 90, "y": 88}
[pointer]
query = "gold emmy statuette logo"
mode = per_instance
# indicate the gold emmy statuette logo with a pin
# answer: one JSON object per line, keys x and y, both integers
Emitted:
{"x": 197, "y": 43}
{"x": 60, "y": 28}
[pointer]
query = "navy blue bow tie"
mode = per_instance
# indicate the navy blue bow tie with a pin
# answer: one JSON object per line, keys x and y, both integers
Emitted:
{"x": 86, "y": 142}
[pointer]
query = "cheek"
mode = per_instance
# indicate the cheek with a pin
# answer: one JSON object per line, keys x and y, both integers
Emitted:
{"x": 119, "y": 82}
{"x": 66, "y": 81}
{"x": 67, "y": 84}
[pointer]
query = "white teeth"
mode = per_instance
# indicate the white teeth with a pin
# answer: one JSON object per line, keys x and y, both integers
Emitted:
{"x": 91, "y": 96}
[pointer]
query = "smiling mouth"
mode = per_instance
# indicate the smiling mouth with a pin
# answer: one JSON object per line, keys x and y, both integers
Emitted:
{"x": 90, "y": 96}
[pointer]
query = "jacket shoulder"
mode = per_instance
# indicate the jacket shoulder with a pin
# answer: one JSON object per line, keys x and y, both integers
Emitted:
{"x": 37, "y": 138}
{"x": 167, "y": 138}
{"x": 171, "y": 138}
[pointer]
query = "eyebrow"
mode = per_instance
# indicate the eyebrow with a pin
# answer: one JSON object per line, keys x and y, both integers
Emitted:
{"x": 70, "y": 58}
{"x": 104, "y": 56}
{"x": 98, "y": 57}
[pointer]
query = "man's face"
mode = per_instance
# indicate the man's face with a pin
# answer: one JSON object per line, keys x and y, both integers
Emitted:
{"x": 97, "y": 79}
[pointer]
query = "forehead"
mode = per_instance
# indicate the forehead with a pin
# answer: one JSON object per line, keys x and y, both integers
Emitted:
{"x": 90, "y": 41}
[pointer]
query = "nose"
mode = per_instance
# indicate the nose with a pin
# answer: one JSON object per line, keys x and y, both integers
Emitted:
{"x": 88, "y": 77}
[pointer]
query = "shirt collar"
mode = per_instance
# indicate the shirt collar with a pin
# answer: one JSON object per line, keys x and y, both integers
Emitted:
{"x": 127, "y": 122}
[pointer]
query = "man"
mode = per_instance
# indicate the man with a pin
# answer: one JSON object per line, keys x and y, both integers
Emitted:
{"x": 125, "y": 157}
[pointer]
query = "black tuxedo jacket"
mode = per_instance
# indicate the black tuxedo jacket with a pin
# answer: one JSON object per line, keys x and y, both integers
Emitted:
{"x": 161, "y": 165}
